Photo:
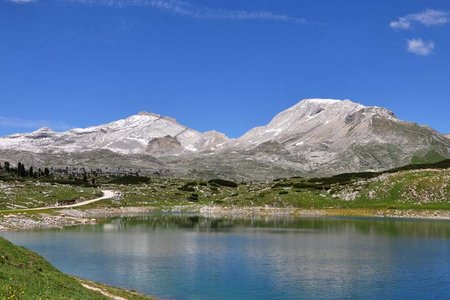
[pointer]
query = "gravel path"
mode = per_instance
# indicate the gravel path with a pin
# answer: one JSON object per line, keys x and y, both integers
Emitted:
{"x": 107, "y": 194}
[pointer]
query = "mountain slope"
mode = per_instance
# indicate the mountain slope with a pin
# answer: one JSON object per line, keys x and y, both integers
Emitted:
{"x": 337, "y": 125}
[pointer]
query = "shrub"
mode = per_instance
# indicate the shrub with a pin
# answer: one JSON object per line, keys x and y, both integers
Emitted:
{"x": 187, "y": 188}
{"x": 193, "y": 197}
{"x": 128, "y": 179}
{"x": 223, "y": 182}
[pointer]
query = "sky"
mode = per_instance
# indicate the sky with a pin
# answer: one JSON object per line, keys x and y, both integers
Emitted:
{"x": 227, "y": 65}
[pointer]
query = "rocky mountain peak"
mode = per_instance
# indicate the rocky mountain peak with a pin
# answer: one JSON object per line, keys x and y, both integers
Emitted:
{"x": 43, "y": 129}
{"x": 41, "y": 133}
{"x": 148, "y": 114}
{"x": 313, "y": 121}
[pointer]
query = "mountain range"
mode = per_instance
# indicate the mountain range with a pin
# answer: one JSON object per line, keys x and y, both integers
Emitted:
{"x": 315, "y": 137}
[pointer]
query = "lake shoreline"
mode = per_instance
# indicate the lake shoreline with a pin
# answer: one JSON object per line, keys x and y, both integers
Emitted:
{"x": 74, "y": 217}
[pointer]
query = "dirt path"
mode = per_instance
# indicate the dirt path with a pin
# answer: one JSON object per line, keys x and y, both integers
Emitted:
{"x": 107, "y": 194}
{"x": 103, "y": 292}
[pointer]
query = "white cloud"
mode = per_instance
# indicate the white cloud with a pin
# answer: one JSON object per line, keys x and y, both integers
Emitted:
{"x": 8, "y": 122}
{"x": 428, "y": 17}
{"x": 188, "y": 9}
{"x": 420, "y": 47}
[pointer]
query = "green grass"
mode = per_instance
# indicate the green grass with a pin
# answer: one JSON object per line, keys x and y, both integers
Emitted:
{"x": 431, "y": 156}
{"x": 26, "y": 275}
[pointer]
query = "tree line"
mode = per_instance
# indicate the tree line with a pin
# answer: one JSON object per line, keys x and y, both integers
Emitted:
{"x": 22, "y": 171}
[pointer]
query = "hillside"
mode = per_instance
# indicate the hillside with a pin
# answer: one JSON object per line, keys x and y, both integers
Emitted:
{"x": 26, "y": 275}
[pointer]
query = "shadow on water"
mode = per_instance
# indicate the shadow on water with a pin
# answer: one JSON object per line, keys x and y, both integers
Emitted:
{"x": 188, "y": 222}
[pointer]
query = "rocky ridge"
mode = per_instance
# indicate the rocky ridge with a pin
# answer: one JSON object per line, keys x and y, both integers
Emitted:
{"x": 315, "y": 137}
{"x": 137, "y": 134}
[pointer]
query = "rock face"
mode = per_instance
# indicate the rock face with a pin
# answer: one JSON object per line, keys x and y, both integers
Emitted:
{"x": 447, "y": 136}
{"x": 315, "y": 137}
{"x": 167, "y": 144}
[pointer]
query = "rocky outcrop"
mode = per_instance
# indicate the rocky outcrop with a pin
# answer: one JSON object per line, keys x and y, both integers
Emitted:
{"x": 166, "y": 145}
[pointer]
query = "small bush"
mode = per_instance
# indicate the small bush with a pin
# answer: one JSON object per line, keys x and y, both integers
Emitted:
{"x": 223, "y": 182}
{"x": 128, "y": 179}
{"x": 193, "y": 197}
{"x": 187, "y": 188}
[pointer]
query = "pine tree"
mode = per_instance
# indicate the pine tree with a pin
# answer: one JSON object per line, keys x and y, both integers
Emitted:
{"x": 21, "y": 170}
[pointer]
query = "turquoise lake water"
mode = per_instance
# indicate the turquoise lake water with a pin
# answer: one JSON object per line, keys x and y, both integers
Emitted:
{"x": 190, "y": 257}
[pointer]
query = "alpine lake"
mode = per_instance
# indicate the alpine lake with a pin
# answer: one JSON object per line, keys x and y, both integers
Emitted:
{"x": 183, "y": 256}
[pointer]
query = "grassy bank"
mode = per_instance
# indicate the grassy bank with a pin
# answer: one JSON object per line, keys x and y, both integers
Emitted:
{"x": 26, "y": 275}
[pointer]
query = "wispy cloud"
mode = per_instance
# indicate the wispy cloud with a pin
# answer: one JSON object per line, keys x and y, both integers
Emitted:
{"x": 428, "y": 17}
{"x": 188, "y": 9}
{"x": 17, "y": 123}
{"x": 22, "y": 1}
{"x": 420, "y": 47}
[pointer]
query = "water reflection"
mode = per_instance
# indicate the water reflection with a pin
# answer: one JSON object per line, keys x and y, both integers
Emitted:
{"x": 192, "y": 257}
{"x": 388, "y": 226}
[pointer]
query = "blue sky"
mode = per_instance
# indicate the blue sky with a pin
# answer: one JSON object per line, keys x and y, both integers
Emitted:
{"x": 227, "y": 65}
